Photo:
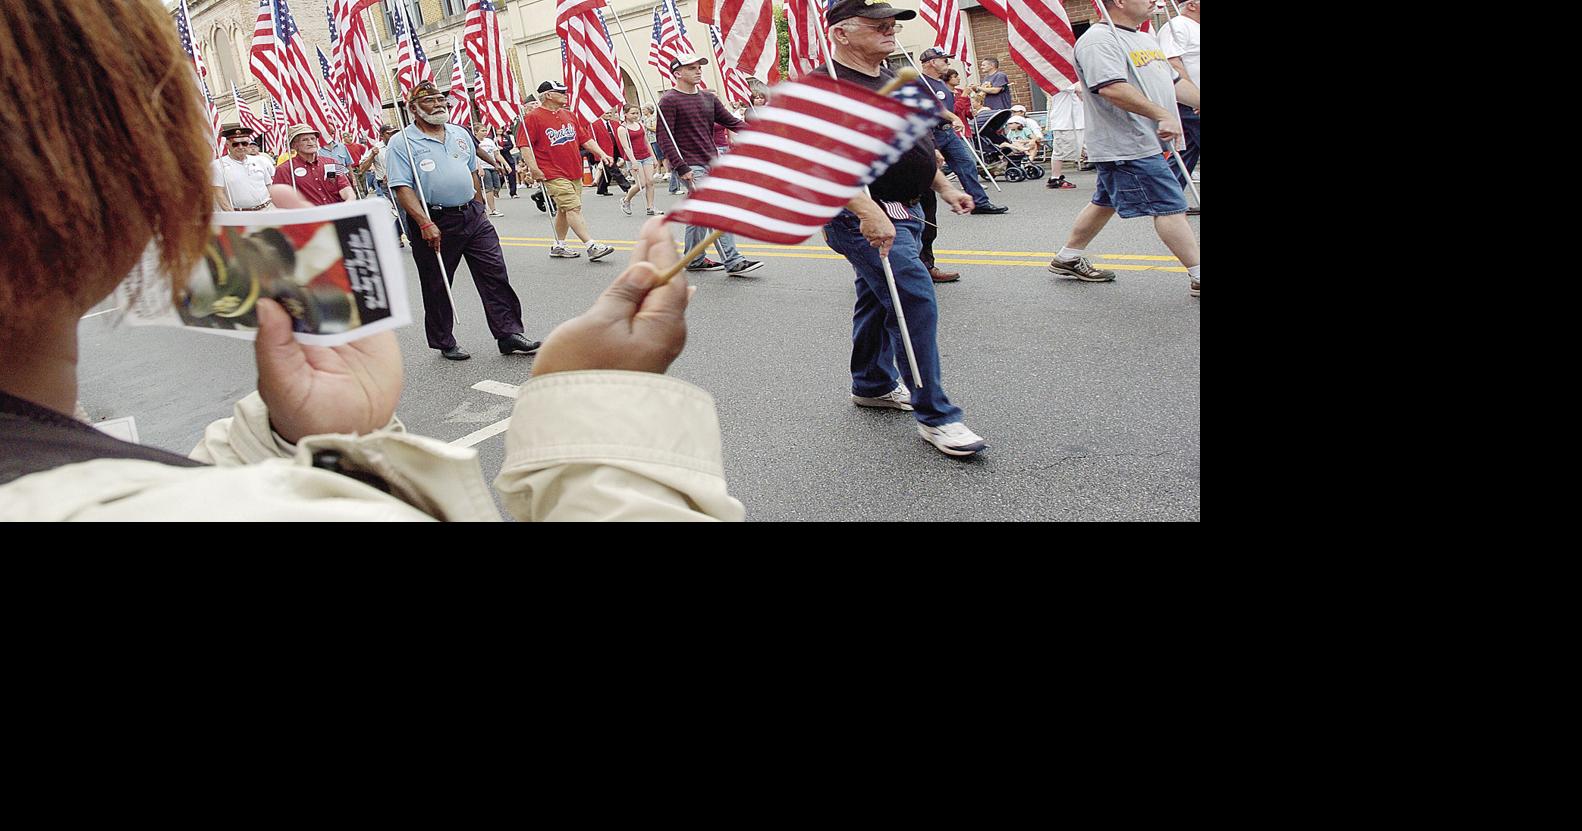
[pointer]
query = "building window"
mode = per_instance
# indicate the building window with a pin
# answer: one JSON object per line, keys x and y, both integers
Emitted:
{"x": 454, "y": 7}
{"x": 414, "y": 15}
{"x": 224, "y": 62}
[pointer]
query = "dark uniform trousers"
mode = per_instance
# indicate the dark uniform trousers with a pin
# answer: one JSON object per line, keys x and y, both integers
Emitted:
{"x": 464, "y": 232}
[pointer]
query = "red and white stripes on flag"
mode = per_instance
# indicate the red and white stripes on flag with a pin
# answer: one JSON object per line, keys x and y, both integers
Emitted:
{"x": 805, "y": 19}
{"x": 282, "y": 67}
{"x": 184, "y": 30}
{"x": 801, "y": 159}
{"x": 945, "y": 17}
{"x": 276, "y": 133}
{"x": 460, "y": 101}
{"x": 736, "y": 87}
{"x": 747, "y": 30}
{"x": 1041, "y": 39}
{"x": 354, "y": 61}
{"x": 412, "y": 65}
{"x": 593, "y": 77}
{"x": 334, "y": 108}
{"x": 244, "y": 113}
{"x": 668, "y": 40}
{"x": 491, "y": 57}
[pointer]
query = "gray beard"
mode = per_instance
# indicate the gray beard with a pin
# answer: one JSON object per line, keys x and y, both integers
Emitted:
{"x": 435, "y": 119}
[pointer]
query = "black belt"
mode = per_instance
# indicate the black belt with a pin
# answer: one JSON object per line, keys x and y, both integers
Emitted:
{"x": 439, "y": 209}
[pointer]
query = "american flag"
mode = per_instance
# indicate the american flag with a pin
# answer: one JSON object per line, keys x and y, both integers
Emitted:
{"x": 805, "y": 19}
{"x": 184, "y": 29}
{"x": 491, "y": 57}
{"x": 280, "y": 64}
{"x": 274, "y": 126}
{"x": 945, "y": 17}
{"x": 334, "y": 107}
{"x": 747, "y": 31}
{"x": 1041, "y": 39}
{"x": 593, "y": 77}
{"x": 245, "y": 114}
{"x": 669, "y": 39}
{"x": 412, "y": 64}
{"x": 354, "y": 60}
{"x": 803, "y": 158}
{"x": 736, "y": 87}
{"x": 460, "y": 101}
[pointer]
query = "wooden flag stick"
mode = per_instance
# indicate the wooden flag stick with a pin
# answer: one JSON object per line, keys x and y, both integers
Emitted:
{"x": 692, "y": 253}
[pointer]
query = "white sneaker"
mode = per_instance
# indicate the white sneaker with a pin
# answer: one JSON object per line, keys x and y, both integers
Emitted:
{"x": 598, "y": 250}
{"x": 496, "y": 213}
{"x": 953, "y": 439}
{"x": 562, "y": 251}
{"x": 897, "y": 399}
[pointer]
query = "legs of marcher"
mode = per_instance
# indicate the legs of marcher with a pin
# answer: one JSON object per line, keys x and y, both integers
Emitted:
{"x": 916, "y": 289}
{"x": 930, "y": 204}
{"x": 501, "y": 307}
{"x": 1088, "y": 225}
{"x": 438, "y": 316}
{"x": 1192, "y": 125}
{"x": 695, "y": 233}
{"x": 960, "y": 158}
{"x": 577, "y": 223}
{"x": 1176, "y": 233}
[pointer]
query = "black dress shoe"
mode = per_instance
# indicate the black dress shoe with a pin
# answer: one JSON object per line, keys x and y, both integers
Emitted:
{"x": 990, "y": 208}
{"x": 538, "y": 199}
{"x": 454, "y": 354}
{"x": 517, "y": 345}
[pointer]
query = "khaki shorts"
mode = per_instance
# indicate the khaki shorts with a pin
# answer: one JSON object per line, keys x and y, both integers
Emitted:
{"x": 567, "y": 194}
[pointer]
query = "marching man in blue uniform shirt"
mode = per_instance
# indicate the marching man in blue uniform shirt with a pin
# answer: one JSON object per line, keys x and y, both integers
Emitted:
{"x": 439, "y": 158}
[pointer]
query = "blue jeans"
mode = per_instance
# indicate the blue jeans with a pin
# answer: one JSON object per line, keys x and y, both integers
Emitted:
{"x": 1192, "y": 125}
{"x": 1150, "y": 186}
{"x": 960, "y": 160}
{"x": 878, "y": 358}
{"x": 696, "y": 233}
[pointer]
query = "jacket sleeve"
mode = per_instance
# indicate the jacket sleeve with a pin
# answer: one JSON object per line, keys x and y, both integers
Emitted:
{"x": 442, "y": 481}
{"x": 608, "y": 445}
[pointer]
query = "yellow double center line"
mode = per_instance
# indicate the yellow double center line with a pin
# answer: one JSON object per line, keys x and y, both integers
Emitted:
{"x": 963, "y": 257}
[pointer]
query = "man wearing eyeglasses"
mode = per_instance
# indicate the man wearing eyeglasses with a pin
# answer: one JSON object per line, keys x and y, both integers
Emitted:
{"x": 863, "y": 35}
{"x": 240, "y": 184}
{"x": 440, "y": 159}
{"x": 321, "y": 179}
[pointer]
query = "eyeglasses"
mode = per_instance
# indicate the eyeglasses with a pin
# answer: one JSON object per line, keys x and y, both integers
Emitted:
{"x": 886, "y": 29}
{"x": 241, "y": 144}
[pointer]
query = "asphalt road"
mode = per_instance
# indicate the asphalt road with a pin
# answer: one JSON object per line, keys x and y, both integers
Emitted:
{"x": 1088, "y": 394}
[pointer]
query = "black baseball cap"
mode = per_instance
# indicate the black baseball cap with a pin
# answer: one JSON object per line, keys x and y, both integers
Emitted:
{"x": 933, "y": 52}
{"x": 551, "y": 86}
{"x": 871, "y": 9}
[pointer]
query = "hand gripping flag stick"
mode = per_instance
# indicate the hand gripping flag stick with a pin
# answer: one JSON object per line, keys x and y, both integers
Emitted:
{"x": 1169, "y": 150}
{"x": 685, "y": 182}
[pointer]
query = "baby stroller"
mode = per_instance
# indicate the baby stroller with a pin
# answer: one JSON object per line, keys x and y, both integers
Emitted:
{"x": 1009, "y": 165}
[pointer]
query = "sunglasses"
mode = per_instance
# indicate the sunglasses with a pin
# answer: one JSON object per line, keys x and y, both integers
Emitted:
{"x": 241, "y": 144}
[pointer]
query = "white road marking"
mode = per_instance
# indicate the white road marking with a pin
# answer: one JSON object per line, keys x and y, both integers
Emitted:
{"x": 497, "y": 388}
{"x": 495, "y": 429}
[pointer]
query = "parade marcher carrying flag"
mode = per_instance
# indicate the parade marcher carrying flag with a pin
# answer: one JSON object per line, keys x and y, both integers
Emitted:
{"x": 1130, "y": 95}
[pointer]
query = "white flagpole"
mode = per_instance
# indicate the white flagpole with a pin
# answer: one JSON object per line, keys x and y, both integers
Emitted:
{"x": 884, "y": 258}
{"x": 1172, "y": 151}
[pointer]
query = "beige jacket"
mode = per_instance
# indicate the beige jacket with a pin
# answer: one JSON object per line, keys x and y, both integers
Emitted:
{"x": 581, "y": 446}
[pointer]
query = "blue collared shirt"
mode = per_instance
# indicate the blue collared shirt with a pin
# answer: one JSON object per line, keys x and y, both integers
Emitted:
{"x": 444, "y": 168}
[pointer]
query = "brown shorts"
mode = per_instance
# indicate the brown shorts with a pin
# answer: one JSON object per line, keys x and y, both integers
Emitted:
{"x": 567, "y": 193}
